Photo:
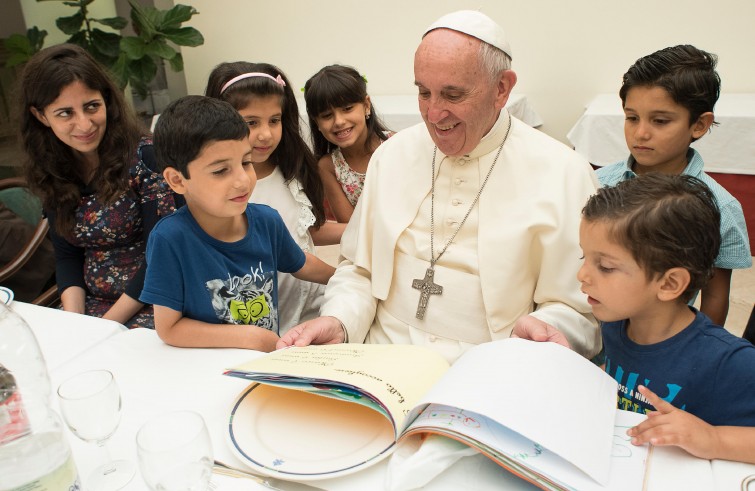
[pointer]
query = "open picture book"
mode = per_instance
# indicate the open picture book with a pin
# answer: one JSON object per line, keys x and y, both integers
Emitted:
{"x": 539, "y": 410}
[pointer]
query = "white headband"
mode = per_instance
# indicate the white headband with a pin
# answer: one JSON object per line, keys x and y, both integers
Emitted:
{"x": 278, "y": 80}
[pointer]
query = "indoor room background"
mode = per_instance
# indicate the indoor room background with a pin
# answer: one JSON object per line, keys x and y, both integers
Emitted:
{"x": 564, "y": 52}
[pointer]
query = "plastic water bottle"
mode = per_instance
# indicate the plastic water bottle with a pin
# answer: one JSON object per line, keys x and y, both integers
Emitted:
{"x": 34, "y": 450}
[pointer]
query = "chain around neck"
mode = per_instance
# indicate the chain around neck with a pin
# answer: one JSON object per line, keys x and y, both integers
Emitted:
{"x": 434, "y": 259}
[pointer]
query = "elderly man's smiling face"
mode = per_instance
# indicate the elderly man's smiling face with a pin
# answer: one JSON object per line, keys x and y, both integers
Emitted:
{"x": 458, "y": 101}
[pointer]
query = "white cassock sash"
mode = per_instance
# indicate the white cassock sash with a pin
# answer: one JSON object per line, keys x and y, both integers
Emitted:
{"x": 457, "y": 314}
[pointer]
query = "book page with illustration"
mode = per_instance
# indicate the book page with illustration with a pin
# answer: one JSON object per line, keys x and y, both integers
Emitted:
{"x": 383, "y": 377}
{"x": 541, "y": 410}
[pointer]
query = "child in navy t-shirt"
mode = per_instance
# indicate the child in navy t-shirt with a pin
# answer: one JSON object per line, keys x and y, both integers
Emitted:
{"x": 649, "y": 244}
{"x": 212, "y": 266}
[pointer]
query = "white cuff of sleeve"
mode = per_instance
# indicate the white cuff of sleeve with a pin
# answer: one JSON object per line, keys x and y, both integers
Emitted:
{"x": 345, "y": 332}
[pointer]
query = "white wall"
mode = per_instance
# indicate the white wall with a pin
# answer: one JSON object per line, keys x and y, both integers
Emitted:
{"x": 564, "y": 52}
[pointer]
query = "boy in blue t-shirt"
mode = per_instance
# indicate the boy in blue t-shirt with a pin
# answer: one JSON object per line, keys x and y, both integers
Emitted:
{"x": 649, "y": 243}
{"x": 668, "y": 99}
{"x": 212, "y": 265}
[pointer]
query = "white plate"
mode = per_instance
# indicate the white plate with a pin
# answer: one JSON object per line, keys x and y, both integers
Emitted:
{"x": 296, "y": 435}
{"x": 6, "y": 295}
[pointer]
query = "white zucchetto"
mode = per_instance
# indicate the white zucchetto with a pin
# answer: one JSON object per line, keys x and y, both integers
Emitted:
{"x": 475, "y": 24}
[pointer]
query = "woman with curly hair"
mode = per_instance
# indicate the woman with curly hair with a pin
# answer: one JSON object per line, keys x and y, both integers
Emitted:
{"x": 92, "y": 165}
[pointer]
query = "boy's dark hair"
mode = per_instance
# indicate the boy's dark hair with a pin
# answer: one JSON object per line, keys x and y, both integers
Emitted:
{"x": 664, "y": 222}
{"x": 293, "y": 156}
{"x": 688, "y": 75}
{"x": 337, "y": 86}
{"x": 190, "y": 123}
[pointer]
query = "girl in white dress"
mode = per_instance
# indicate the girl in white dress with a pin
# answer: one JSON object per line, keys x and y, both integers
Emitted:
{"x": 287, "y": 177}
{"x": 345, "y": 132}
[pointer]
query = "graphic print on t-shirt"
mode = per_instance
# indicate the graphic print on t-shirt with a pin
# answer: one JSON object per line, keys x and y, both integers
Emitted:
{"x": 629, "y": 398}
{"x": 245, "y": 299}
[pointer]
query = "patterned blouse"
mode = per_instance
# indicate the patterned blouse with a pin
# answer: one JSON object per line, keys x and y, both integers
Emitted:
{"x": 105, "y": 254}
{"x": 351, "y": 181}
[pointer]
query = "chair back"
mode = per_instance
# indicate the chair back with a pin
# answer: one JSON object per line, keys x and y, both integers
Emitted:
{"x": 16, "y": 196}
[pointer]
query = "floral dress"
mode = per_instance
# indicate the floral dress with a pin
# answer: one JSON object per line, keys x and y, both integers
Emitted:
{"x": 105, "y": 254}
{"x": 351, "y": 181}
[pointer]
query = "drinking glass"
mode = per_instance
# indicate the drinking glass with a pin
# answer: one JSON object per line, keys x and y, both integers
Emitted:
{"x": 175, "y": 452}
{"x": 91, "y": 407}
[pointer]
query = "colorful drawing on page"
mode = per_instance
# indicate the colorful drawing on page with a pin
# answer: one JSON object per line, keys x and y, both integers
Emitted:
{"x": 451, "y": 417}
{"x": 535, "y": 451}
{"x": 481, "y": 429}
{"x": 622, "y": 446}
{"x": 342, "y": 391}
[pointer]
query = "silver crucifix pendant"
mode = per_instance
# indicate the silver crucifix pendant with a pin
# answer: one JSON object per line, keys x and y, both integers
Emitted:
{"x": 426, "y": 288}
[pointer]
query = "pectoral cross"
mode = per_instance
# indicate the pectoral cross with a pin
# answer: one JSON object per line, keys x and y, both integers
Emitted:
{"x": 426, "y": 287}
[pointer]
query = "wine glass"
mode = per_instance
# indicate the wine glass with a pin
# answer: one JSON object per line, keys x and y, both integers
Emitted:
{"x": 175, "y": 452}
{"x": 91, "y": 407}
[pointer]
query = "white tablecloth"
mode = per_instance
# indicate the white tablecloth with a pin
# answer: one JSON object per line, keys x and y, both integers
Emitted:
{"x": 728, "y": 148}
{"x": 62, "y": 335}
{"x": 155, "y": 378}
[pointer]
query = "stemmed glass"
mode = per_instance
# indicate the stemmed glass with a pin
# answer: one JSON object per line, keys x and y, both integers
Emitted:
{"x": 175, "y": 452}
{"x": 91, "y": 407}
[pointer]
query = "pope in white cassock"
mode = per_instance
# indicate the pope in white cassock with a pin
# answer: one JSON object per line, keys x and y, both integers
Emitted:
{"x": 468, "y": 225}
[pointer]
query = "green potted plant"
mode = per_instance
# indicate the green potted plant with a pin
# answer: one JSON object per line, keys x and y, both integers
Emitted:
{"x": 133, "y": 60}
{"x": 20, "y": 48}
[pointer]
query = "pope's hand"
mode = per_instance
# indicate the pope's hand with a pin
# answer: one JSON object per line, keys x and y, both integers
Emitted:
{"x": 322, "y": 330}
{"x": 532, "y": 328}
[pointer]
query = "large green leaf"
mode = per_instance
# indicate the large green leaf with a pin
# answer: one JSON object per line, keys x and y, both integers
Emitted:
{"x": 155, "y": 16}
{"x": 16, "y": 43}
{"x": 70, "y": 25}
{"x": 141, "y": 73}
{"x": 119, "y": 69}
{"x": 36, "y": 38}
{"x": 134, "y": 47}
{"x": 140, "y": 21}
{"x": 143, "y": 20}
{"x": 178, "y": 14}
{"x": 177, "y": 63}
{"x": 107, "y": 43}
{"x": 104, "y": 59}
{"x": 184, "y": 36}
{"x": 21, "y": 48}
{"x": 139, "y": 87}
{"x": 81, "y": 39}
{"x": 145, "y": 69}
{"x": 159, "y": 47}
{"x": 16, "y": 59}
{"x": 116, "y": 23}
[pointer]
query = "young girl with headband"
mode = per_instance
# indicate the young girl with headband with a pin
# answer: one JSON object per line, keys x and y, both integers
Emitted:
{"x": 287, "y": 177}
{"x": 345, "y": 133}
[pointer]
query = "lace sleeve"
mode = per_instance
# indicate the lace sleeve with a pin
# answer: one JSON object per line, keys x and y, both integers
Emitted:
{"x": 306, "y": 218}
